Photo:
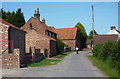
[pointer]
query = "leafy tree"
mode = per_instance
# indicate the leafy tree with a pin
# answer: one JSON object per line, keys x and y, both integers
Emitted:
{"x": 91, "y": 34}
{"x": 60, "y": 45}
{"x": 82, "y": 34}
{"x": 15, "y": 18}
{"x": 19, "y": 18}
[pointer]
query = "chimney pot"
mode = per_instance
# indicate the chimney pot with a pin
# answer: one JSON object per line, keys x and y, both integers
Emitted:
{"x": 113, "y": 27}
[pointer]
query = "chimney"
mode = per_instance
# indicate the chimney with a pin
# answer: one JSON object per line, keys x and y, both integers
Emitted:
{"x": 113, "y": 28}
{"x": 43, "y": 21}
{"x": 37, "y": 14}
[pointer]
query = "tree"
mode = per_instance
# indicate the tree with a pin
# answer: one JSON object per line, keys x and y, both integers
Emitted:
{"x": 91, "y": 34}
{"x": 60, "y": 45}
{"x": 15, "y": 18}
{"x": 19, "y": 18}
{"x": 82, "y": 34}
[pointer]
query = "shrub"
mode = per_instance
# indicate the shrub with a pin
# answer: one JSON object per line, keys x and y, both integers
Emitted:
{"x": 108, "y": 52}
{"x": 60, "y": 45}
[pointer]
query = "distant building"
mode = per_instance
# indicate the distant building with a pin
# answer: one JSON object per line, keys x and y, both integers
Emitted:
{"x": 13, "y": 45}
{"x": 69, "y": 36}
{"x": 112, "y": 35}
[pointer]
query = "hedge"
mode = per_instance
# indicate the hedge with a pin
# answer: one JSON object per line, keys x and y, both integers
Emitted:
{"x": 108, "y": 52}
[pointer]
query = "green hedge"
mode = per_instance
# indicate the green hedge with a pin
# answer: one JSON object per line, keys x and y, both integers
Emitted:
{"x": 108, "y": 52}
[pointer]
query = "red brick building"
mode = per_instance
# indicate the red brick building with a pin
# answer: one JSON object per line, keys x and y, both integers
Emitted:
{"x": 112, "y": 35}
{"x": 12, "y": 45}
{"x": 40, "y": 36}
{"x": 69, "y": 36}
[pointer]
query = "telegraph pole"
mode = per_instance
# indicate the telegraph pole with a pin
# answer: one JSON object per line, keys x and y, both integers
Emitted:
{"x": 93, "y": 19}
{"x": 92, "y": 24}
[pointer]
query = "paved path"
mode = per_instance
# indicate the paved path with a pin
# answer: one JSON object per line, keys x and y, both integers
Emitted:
{"x": 73, "y": 65}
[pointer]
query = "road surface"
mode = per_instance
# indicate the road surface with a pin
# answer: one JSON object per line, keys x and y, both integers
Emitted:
{"x": 73, "y": 65}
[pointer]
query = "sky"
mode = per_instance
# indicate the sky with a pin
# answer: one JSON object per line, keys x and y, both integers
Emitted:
{"x": 68, "y": 14}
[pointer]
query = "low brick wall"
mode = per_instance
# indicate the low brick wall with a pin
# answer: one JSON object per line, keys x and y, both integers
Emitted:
{"x": 67, "y": 49}
{"x": 11, "y": 60}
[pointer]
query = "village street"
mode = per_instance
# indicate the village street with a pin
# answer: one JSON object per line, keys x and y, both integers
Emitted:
{"x": 73, "y": 65}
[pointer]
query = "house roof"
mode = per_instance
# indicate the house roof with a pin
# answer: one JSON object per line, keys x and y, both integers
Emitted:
{"x": 42, "y": 34}
{"x": 66, "y": 33}
{"x": 38, "y": 26}
{"x": 104, "y": 38}
{"x": 11, "y": 25}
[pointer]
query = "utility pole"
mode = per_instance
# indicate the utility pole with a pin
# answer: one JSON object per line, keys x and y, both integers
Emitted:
{"x": 92, "y": 24}
{"x": 93, "y": 19}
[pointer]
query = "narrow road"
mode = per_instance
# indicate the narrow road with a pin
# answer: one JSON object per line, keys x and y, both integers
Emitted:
{"x": 73, "y": 65}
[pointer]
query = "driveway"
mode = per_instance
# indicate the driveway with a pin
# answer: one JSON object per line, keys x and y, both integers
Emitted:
{"x": 73, "y": 65}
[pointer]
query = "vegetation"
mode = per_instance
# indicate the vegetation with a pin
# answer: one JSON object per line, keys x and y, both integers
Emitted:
{"x": 91, "y": 34}
{"x": 15, "y": 18}
{"x": 60, "y": 45}
{"x": 47, "y": 62}
{"x": 63, "y": 54}
{"x": 108, "y": 53}
{"x": 111, "y": 72}
{"x": 82, "y": 34}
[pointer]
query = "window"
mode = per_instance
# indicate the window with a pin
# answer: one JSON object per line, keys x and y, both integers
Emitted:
{"x": 47, "y": 33}
{"x": 50, "y": 34}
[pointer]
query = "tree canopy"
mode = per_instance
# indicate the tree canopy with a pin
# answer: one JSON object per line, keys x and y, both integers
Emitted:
{"x": 15, "y": 18}
{"x": 91, "y": 34}
{"x": 82, "y": 34}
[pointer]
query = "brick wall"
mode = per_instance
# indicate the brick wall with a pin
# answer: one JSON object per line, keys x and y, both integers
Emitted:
{"x": 70, "y": 43}
{"x": 53, "y": 47}
{"x": 17, "y": 38}
{"x": 11, "y": 60}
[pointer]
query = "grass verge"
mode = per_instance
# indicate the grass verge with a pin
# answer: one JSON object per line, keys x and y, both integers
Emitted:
{"x": 104, "y": 67}
{"x": 63, "y": 54}
{"x": 47, "y": 62}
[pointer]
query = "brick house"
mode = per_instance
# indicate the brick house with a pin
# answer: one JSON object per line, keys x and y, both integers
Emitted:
{"x": 12, "y": 45}
{"x": 112, "y": 35}
{"x": 69, "y": 36}
{"x": 40, "y": 36}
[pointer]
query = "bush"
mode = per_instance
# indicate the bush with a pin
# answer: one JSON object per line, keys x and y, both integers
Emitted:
{"x": 108, "y": 52}
{"x": 60, "y": 45}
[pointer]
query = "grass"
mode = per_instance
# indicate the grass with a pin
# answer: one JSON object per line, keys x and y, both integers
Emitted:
{"x": 106, "y": 69}
{"x": 63, "y": 54}
{"x": 47, "y": 62}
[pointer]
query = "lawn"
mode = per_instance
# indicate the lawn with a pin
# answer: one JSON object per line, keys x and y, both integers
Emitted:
{"x": 104, "y": 67}
{"x": 63, "y": 54}
{"x": 47, "y": 62}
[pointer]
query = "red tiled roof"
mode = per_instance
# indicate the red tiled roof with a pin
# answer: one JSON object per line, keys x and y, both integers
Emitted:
{"x": 6, "y": 23}
{"x": 104, "y": 38}
{"x": 38, "y": 26}
{"x": 66, "y": 33}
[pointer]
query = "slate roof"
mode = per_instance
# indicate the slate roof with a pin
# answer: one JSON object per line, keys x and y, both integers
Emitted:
{"x": 66, "y": 33}
{"x": 104, "y": 38}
